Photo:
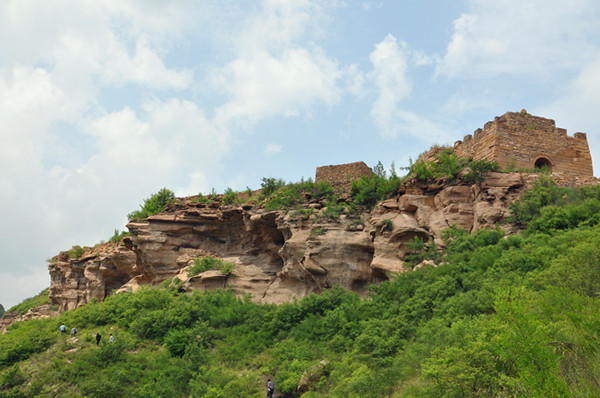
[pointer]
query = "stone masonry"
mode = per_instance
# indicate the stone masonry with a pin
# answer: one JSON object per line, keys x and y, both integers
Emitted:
{"x": 525, "y": 141}
{"x": 341, "y": 176}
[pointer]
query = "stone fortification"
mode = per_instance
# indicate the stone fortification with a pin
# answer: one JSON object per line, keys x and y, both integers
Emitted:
{"x": 524, "y": 141}
{"x": 341, "y": 176}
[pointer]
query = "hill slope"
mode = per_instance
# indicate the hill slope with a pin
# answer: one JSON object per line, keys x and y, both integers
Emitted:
{"x": 504, "y": 316}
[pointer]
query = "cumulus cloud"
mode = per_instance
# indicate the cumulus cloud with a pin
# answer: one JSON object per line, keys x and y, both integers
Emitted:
{"x": 70, "y": 168}
{"x": 534, "y": 38}
{"x": 391, "y": 60}
{"x": 390, "y": 64}
{"x": 277, "y": 68}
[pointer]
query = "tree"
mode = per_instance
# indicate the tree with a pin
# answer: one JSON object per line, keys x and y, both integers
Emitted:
{"x": 153, "y": 205}
{"x": 1, "y": 311}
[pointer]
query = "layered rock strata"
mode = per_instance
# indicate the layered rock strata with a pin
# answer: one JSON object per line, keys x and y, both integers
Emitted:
{"x": 282, "y": 255}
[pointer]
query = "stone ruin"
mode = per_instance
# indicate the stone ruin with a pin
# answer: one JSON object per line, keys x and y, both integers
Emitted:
{"x": 516, "y": 140}
{"x": 519, "y": 140}
{"x": 340, "y": 176}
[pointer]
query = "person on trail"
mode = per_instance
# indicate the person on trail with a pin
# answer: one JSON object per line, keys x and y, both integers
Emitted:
{"x": 73, "y": 331}
{"x": 111, "y": 339}
{"x": 63, "y": 329}
{"x": 270, "y": 388}
{"x": 98, "y": 337}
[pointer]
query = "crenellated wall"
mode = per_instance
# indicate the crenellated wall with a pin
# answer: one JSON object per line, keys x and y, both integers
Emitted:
{"x": 525, "y": 141}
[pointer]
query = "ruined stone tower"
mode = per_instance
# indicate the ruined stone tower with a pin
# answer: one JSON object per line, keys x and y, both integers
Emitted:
{"x": 526, "y": 142}
{"x": 341, "y": 175}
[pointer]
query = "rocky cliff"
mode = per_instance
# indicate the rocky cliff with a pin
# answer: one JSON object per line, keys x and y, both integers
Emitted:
{"x": 281, "y": 255}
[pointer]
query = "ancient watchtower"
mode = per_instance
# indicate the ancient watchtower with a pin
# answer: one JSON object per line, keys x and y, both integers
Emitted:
{"x": 525, "y": 142}
{"x": 340, "y": 176}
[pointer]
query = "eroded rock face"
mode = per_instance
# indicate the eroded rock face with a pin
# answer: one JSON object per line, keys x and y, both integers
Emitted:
{"x": 279, "y": 255}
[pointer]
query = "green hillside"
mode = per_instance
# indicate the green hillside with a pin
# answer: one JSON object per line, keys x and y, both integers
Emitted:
{"x": 503, "y": 316}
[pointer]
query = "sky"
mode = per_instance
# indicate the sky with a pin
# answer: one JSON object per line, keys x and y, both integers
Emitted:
{"x": 103, "y": 103}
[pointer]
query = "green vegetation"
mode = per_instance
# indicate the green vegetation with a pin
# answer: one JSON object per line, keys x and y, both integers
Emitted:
{"x": 1, "y": 311}
{"x": 206, "y": 263}
{"x": 419, "y": 251}
{"x": 118, "y": 236}
{"x": 279, "y": 195}
{"x": 503, "y": 316}
{"x": 448, "y": 166}
{"x": 153, "y": 205}
{"x": 32, "y": 302}
{"x": 75, "y": 252}
{"x": 388, "y": 225}
{"x": 317, "y": 231}
{"x": 230, "y": 197}
{"x": 369, "y": 190}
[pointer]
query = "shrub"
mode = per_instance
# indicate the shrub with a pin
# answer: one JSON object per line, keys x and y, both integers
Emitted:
{"x": 317, "y": 231}
{"x": 118, "y": 236}
{"x": 153, "y": 205}
{"x": 479, "y": 169}
{"x": 368, "y": 190}
{"x": 422, "y": 170}
{"x": 75, "y": 252}
{"x": 270, "y": 185}
{"x": 448, "y": 165}
{"x": 204, "y": 199}
{"x": 388, "y": 225}
{"x": 230, "y": 197}
{"x": 206, "y": 263}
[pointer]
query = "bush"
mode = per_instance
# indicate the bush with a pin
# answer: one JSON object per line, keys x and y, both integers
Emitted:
{"x": 270, "y": 185}
{"x": 75, "y": 252}
{"x": 369, "y": 190}
{"x": 230, "y": 197}
{"x": 153, "y": 205}
{"x": 207, "y": 263}
{"x": 118, "y": 236}
{"x": 479, "y": 169}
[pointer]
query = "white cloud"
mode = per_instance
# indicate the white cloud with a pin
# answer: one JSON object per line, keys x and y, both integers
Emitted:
{"x": 534, "y": 38}
{"x": 71, "y": 171}
{"x": 273, "y": 148}
{"x": 577, "y": 108}
{"x": 390, "y": 64}
{"x": 278, "y": 69}
{"x": 79, "y": 41}
{"x": 391, "y": 60}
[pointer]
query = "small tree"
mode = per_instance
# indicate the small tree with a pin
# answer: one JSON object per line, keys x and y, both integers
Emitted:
{"x": 153, "y": 205}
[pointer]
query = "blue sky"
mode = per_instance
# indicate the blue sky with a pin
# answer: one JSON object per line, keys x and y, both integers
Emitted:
{"x": 104, "y": 102}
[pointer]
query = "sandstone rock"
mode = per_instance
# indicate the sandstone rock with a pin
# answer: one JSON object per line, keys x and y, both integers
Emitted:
{"x": 280, "y": 256}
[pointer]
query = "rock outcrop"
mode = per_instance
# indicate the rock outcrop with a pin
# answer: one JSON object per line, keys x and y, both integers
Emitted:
{"x": 282, "y": 255}
{"x": 42, "y": 311}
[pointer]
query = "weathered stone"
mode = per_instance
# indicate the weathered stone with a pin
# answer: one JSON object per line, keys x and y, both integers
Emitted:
{"x": 525, "y": 141}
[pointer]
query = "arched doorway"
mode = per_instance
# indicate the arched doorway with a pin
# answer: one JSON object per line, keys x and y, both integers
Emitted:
{"x": 544, "y": 164}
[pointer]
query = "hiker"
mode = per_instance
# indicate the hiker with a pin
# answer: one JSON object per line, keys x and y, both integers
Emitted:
{"x": 270, "y": 388}
{"x": 98, "y": 337}
{"x": 111, "y": 339}
{"x": 63, "y": 329}
{"x": 73, "y": 331}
